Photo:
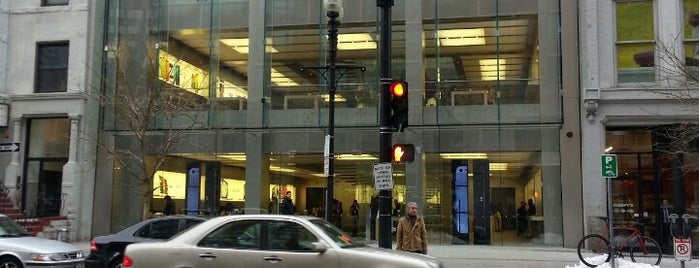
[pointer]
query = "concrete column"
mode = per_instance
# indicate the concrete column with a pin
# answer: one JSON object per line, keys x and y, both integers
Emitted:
{"x": 414, "y": 177}
{"x": 256, "y": 66}
{"x": 13, "y": 171}
{"x": 256, "y": 174}
{"x": 70, "y": 193}
{"x": 551, "y": 190}
{"x": 414, "y": 60}
{"x": 569, "y": 138}
{"x": 670, "y": 20}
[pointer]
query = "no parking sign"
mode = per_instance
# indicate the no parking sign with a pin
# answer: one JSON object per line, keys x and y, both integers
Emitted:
{"x": 683, "y": 249}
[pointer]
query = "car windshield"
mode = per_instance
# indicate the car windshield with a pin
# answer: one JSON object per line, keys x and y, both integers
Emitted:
{"x": 340, "y": 238}
{"x": 9, "y": 228}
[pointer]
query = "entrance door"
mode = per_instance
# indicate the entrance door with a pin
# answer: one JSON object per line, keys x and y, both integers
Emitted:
{"x": 42, "y": 188}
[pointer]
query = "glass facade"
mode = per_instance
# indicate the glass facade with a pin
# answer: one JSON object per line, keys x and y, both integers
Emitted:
{"x": 237, "y": 86}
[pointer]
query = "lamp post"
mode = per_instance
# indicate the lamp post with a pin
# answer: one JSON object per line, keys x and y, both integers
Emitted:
{"x": 385, "y": 131}
{"x": 333, "y": 10}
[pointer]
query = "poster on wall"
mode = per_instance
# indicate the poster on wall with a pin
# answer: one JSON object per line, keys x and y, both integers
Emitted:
{"x": 168, "y": 183}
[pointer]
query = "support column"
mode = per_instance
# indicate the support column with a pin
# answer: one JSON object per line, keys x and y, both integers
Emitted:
{"x": 13, "y": 171}
{"x": 70, "y": 194}
{"x": 256, "y": 174}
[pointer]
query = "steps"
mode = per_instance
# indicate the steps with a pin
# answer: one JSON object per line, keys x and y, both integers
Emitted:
{"x": 35, "y": 225}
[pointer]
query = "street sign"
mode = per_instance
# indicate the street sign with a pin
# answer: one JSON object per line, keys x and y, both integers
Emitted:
{"x": 9, "y": 147}
{"x": 683, "y": 249}
{"x": 383, "y": 176}
{"x": 609, "y": 166}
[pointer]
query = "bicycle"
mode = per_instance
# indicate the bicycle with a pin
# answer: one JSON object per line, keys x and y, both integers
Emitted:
{"x": 594, "y": 249}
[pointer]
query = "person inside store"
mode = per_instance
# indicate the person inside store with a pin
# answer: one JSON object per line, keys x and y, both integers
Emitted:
{"x": 531, "y": 212}
{"x": 169, "y": 206}
{"x": 522, "y": 218}
{"x": 354, "y": 213}
{"x": 287, "y": 204}
{"x": 411, "y": 234}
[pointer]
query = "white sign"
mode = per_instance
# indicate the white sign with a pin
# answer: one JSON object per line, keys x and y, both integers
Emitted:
{"x": 383, "y": 176}
{"x": 9, "y": 147}
{"x": 326, "y": 157}
{"x": 683, "y": 249}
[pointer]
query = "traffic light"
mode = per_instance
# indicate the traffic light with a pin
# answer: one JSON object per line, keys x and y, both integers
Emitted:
{"x": 403, "y": 153}
{"x": 399, "y": 105}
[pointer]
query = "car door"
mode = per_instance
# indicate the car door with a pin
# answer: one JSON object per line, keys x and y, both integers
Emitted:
{"x": 234, "y": 244}
{"x": 289, "y": 246}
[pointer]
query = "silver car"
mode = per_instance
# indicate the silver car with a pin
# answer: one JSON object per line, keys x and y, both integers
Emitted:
{"x": 268, "y": 241}
{"x": 19, "y": 249}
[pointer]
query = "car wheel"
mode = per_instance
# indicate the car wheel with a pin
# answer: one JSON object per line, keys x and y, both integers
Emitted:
{"x": 115, "y": 264}
{"x": 9, "y": 262}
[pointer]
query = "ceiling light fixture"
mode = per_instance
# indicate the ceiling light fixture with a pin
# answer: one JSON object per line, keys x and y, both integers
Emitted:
{"x": 281, "y": 169}
{"x": 355, "y": 41}
{"x": 461, "y": 37}
{"x": 355, "y": 157}
{"x": 242, "y": 45}
{"x": 464, "y": 155}
{"x": 492, "y": 69}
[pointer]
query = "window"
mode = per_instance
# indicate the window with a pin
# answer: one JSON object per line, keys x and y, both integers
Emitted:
{"x": 159, "y": 229}
{"x": 54, "y": 3}
{"x": 52, "y": 67}
{"x": 290, "y": 236}
{"x": 691, "y": 33}
{"x": 237, "y": 234}
{"x": 635, "y": 41}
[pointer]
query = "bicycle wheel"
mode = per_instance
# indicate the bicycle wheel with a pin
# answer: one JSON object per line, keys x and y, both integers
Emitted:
{"x": 593, "y": 250}
{"x": 646, "y": 250}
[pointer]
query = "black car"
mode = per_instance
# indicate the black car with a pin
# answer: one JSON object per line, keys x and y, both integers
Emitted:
{"x": 107, "y": 251}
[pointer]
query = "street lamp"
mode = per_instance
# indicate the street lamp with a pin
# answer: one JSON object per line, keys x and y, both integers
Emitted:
{"x": 334, "y": 11}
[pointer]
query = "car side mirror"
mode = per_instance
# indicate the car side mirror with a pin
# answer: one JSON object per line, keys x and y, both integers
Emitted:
{"x": 319, "y": 246}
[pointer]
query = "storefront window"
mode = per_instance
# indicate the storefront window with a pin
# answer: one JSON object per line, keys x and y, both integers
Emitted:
{"x": 691, "y": 35}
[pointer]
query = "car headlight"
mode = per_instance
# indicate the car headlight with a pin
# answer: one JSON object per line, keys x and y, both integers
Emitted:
{"x": 56, "y": 256}
{"x": 47, "y": 257}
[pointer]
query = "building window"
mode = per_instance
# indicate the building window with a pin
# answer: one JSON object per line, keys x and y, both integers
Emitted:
{"x": 54, "y": 3}
{"x": 52, "y": 67}
{"x": 635, "y": 41}
{"x": 691, "y": 34}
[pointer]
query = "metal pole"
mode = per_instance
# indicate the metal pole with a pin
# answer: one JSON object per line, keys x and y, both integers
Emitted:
{"x": 610, "y": 212}
{"x": 332, "y": 51}
{"x": 385, "y": 131}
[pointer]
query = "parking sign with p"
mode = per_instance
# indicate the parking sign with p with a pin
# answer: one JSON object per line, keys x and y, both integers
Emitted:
{"x": 609, "y": 166}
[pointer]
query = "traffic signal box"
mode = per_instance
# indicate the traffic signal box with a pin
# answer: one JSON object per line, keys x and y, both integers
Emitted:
{"x": 399, "y": 105}
{"x": 403, "y": 153}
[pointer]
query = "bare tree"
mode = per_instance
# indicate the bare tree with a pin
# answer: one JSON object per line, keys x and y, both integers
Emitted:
{"x": 155, "y": 114}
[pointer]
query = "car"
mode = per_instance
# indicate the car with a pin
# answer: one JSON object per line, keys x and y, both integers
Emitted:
{"x": 19, "y": 249}
{"x": 107, "y": 251}
{"x": 265, "y": 240}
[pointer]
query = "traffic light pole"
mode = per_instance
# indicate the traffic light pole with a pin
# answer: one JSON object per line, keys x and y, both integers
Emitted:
{"x": 385, "y": 131}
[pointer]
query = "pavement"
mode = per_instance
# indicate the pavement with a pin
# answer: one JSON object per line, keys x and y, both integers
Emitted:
{"x": 454, "y": 256}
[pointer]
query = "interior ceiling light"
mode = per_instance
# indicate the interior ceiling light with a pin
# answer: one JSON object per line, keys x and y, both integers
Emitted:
{"x": 464, "y": 155}
{"x": 242, "y": 45}
{"x": 280, "y": 79}
{"x": 338, "y": 97}
{"x": 355, "y": 41}
{"x": 281, "y": 169}
{"x": 355, "y": 157}
{"x": 234, "y": 157}
{"x": 609, "y": 149}
{"x": 492, "y": 69}
{"x": 498, "y": 166}
{"x": 461, "y": 37}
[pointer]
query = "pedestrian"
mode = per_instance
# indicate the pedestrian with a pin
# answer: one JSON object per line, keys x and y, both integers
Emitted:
{"x": 522, "y": 218}
{"x": 354, "y": 213}
{"x": 287, "y": 204}
{"x": 169, "y": 206}
{"x": 411, "y": 234}
{"x": 531, "y": 212}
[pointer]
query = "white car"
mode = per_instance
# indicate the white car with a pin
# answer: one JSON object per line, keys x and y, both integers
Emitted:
{"x": 268, "y": 241}
{"x": 19, "y": 249}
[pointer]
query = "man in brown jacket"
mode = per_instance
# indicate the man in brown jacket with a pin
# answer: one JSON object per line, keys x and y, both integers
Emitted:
{"x": 411, "y": 234}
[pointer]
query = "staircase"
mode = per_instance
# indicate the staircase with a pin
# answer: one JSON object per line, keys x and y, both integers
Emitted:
{"x": 35, "y": 225}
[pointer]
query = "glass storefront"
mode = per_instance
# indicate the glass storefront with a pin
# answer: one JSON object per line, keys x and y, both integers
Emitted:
{"x": 250, "y": 110}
